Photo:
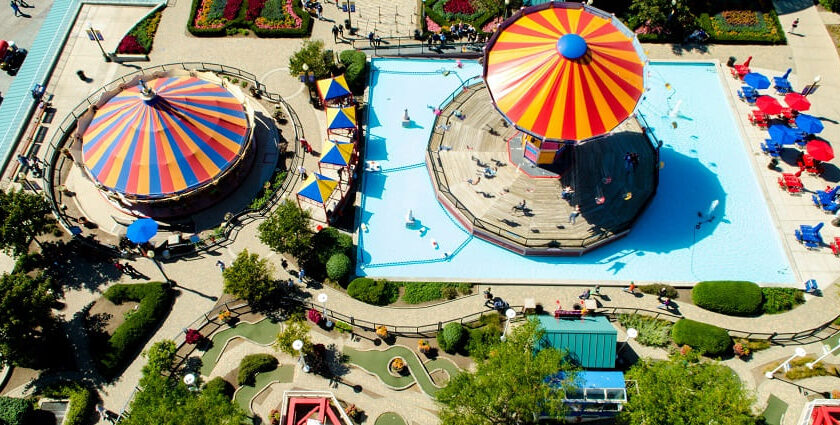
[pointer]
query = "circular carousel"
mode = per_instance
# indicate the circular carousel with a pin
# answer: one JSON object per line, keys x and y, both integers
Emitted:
{"x": 167, "y": 144}
{"x": 567, "y": 166}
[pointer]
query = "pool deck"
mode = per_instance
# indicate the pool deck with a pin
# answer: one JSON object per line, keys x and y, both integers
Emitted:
{"x": 488, "y": 206}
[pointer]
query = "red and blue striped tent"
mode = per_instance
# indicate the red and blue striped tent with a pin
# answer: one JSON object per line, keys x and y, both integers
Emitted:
{"x": 564, "y": 71}
{"x": 179, "y": 138}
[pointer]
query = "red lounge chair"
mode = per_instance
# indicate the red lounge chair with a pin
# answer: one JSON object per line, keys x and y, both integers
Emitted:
{"x": 738, "y": 71}
{"x": 835, "y": 246}
{"x": 757, "y": 117}
{"x": 790, "y": 183}
{"x": 810, "y": 165}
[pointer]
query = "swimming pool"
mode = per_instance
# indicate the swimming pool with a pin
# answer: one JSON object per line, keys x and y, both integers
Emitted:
{"x": 705, "y": 164}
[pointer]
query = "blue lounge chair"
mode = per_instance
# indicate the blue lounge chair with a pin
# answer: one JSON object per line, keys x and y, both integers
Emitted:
{"x": 781, "y": 84}
{"x": 771, "y": 148}
{"x": 825, "y": 200}
{"x": 811, "y": 286}
{"x": 747, "y": 94}
{"x": 809, "y": 235}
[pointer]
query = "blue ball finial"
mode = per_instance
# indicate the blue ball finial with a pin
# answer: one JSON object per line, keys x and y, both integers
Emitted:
{"x": 571, "y": 46}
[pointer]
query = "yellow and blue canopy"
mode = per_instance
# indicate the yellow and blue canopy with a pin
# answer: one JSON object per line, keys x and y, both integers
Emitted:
{"x": 318, "y": 188}
{"x": 332, "y": 88}
{"x": 337, "y": 153}
{"x": 182, "y": 137}
{"x": 564, "y": 71}
{"x": 338, "y": 118}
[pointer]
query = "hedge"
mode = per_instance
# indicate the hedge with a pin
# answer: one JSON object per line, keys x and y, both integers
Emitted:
{"x": 155, "y": 300}
{"x": 735, "y": 298}
{"x": 708, "y": 339}
{"x": 339, "y": 266}
{"x": 777, "y": 300}
{"x": 355, "y": 65}
{"x": 81, "y": 400}
{"x": 832, "y": 5}
{"x": 220, "y": 386}
{"x": 376, "y": 292}
{"x": 253, "y": 364}
{"x": 12, "y": 410}
{"x": 452, "y": 337}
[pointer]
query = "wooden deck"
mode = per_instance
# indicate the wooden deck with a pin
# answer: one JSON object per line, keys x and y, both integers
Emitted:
{"x": 486, "y": 205}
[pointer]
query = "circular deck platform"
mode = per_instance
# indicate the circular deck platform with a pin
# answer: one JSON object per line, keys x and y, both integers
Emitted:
{"x": 610, "y": 195}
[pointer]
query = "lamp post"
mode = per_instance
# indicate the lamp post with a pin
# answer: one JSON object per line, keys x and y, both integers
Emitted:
{"x": 322, "y": 298}
{"x": 631, "y": 334}
{"x": 813, "y": 87}
{"x": 297, "y": 345}
{"x": 510, "y": 314}
{"x": 189, "y": 381}
{"x": 507, "y": 5}
{"x": 799, "y": 352}
{"x": 99, "y": 43}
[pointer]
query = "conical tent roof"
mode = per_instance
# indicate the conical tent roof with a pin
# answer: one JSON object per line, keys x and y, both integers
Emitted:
{"x": 339, "y": 118}
{"x": 318, "y": 188}
{"x": 332, "y": 88}
{"x": 337, "y": 153}
{"x": 564, "y": 71}
{"x": 182, "y": 137}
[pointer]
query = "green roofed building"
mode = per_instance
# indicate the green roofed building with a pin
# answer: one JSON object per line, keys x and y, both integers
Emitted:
{"x": 590, "y": 340}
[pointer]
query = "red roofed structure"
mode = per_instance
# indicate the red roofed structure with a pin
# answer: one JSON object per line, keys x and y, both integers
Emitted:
{"x": 312, "y": 408}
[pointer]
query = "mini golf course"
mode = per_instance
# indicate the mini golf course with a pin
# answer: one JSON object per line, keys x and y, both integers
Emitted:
{"x": 389, "y": 418}
{"x": 246, "y": 393}
{"x": 263, "y": 332}
{"x": 376, "y": 362}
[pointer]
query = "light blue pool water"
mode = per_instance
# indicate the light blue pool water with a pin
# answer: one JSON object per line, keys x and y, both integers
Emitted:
{"x": 704, "y": 161}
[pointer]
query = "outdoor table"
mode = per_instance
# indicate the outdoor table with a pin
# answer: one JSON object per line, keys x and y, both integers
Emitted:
{"x": 174, "y": 239}
{"x": 590, "y": 304}
{"x": 529, "y": 305}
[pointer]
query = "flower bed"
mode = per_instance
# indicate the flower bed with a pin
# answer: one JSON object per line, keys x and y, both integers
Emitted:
{"x": 267, "y": 18}
{"x": 140, "y": 38}
{"x": 442, "y": 14}
{"x": 743, "y": 26}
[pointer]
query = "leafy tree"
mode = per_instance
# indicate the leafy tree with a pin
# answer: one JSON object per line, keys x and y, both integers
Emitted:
{"x": 287, "y": 230}
{"x": 679, "y": 392}
{"x": 251, "y": 278}
{"x": 23, "y": 216}
{"x": 26, "y": 304}
{"x": 293, "y": 330}
{"x": 509, "y": 386}
{"x": 660, "y": 16}
{"x": 161, "y": 355}
{"x": 319, "y": 61}
{"x": 168, "y": 401}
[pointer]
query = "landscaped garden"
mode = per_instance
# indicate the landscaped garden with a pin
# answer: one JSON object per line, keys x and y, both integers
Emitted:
{"x": 266, "y": 18}
{"x": 139, "y": 39}
{"x": 441, "y": 15}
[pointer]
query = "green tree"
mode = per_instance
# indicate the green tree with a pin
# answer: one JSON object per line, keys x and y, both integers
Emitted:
{"x": 23, "y": 217}
{"x": 252, "y": 279}
{"x": 509, "y": 386}
{"x": 26, "y": 304}
{"x": 160, "y": 355}
{"x": 679, "y": 392}
{"x": 287, "y": 230}
{"x": 660, "y": 16}
{"x": 318, "y": 60}
{"x": 168, "y": 401}
{"x": 294, "y": 330}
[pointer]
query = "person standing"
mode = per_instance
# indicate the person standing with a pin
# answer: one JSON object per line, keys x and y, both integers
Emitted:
{"x": 574, "y": 215}
{"x": 302, "y": 171}
{"x": 15, "y": 8}
{"x": 221, "y": 265}
{"x": 301, "y": 275}
{"x": 341, "y": 31}
{"x": 335, "y": 33}
{"x": 794, "y": 25}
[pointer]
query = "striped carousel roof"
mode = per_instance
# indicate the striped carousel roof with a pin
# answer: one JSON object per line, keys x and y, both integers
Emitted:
{"x": 564, "y": 71}
{"x": 183, "y": 135}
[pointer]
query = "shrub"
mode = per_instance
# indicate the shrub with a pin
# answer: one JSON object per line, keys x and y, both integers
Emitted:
{"x": 355, "y": 69}
{"x": 253, "y": 364}
{"x": 777, "y": 300}
{"x": 130, "y": 45}
{"x": 81, "y": 400}
{"x": 451, "y": 337}
{"x": 294, "y": 330}
{"x": 448, "y": 293}
{"x": 653, "y": 289}
{"x": 753, "y": 344}
{"x": 12, "y": 410}
{"x": 324, "y": 245}
{"x": 219, "y": 386}
{"x": 314, "y": 316}
{"x": 652, "y": 332}
{"x": 708, "y": 339}
{"x": 482, "y": 340}
{"x": 421, "y": 292}
{"x": 338, "y": 267}
{"x": 155, "y": 299}
{"x": 376, "y": 292}
{"x": 832, "y": 5}
{"x": 736, "y": 298}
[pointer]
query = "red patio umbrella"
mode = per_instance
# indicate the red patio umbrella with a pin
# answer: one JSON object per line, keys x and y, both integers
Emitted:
{"x": 820, "y": 150}
{"x": 768, "y": 105}
{"x": 797, "y": 101}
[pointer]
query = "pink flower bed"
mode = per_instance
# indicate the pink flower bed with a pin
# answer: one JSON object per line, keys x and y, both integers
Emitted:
{"x": 231, "y": 9}
{"x": 491, "y": 25}
{"x": 432, "y": 25}
{"x": 201, "y": 20}
{"x": 459, "y": 6}
{"x": 129, "y": 44}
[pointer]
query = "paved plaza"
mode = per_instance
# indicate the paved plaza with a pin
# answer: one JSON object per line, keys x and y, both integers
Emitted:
{"x": 811, "y": 53}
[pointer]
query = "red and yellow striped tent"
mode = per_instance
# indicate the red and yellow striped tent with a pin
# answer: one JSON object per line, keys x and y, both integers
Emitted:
{"x": 564, "y": 71}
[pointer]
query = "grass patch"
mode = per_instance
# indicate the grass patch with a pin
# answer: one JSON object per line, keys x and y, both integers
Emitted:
{"x": 778, "y": 300}
{"x": 421, "y": 292}
{"x": 652, "y": 332}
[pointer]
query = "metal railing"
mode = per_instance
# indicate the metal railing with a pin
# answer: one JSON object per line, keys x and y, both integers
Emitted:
{"x": 64, "y": 129}
{"x": 399, "y": 46}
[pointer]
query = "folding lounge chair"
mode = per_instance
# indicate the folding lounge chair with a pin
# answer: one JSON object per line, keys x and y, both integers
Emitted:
{"x": 770, "y": 148}
{"x": 835, "y": 246}
{"x": 809, "y": 235}
{"x": 823, "y": 199}
{"x": 782, "y": 84}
